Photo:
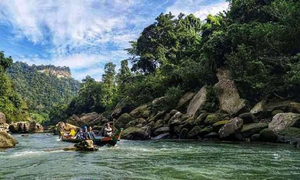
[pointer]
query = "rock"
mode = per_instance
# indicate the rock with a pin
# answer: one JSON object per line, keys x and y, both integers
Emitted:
{"x": 249, "y": 129}
{"x": 295, "y": 107}
{"x": 2, "y": 118}
{"x": 211, "y": 119}
{"x": 13, "y": 128}
{"x": 137, "y": 122}
{"x": 159, "y": 115}
{"x": 248, "y": 118}
{"x": 184, "y": 100}
{"x": 138, "y": 111}
{"x": 145, "y": 114}
{"x": 282, "y": 121}
{"x": 219, "y": 124}
{"x": 161, "y": 130}
{"x": 193, "y": 134}
{"x": 134, "y": 133}
{"x": 158, "y": 102}
{"x": 278, "y": 105}
{"x": 35, "y": 127}
{"x": 197, "y": 102}
{"x": 255, "y": 137}
{"x": 227, "y": 93}
{"x": 205, "y": 131}
{"x": 231, "y": 128}
{"x": 167, "y": 117}
{"x": 120, "y": 109}
{"x": 259, "y": 107}
{"x": 175, "y": 117}
{"x": 158, "y": 124}
{"x": 6, "y": 140}
{"x": 86, "y": 145}
{"x": 211, "y": 135}
{"x": 183, "y": 133}
{"x": 267, "y": 135}
{"x": 64, "y": 127}
{"x": 290, "y": 133}
{"x": 161, "y": 136}
{"x": 123, "y": 120}
{"x": 201, "y": 118}
{"x": 276, "y": 112}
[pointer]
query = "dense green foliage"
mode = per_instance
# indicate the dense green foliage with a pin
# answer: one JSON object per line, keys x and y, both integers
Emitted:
{"x": 41, "y": 90}
{"x": 11, "y": 103}
{"x": 258, "y": 41}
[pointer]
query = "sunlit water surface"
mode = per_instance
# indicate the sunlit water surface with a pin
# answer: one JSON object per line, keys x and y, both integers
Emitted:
{"x": 40, "y": 156}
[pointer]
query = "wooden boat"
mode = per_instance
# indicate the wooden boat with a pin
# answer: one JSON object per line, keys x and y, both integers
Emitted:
{"x": 99, "y": 140}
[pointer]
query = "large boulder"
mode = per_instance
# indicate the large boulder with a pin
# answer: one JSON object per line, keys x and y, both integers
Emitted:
{"x": 211, "y": 119}
{"x": 138, "y": 111}
{"x": 233, "y": 127}
{"x": 295, "y": 107}
{"x": 140, "y": 122}
{"x": 89, "y": 119}
{"x": 194, "y": 133}
{"x": 123, "y": 120}
{"x": 35, "y": 127}
{"x": 64, "y": 127}
{"x": 290, "y": 133}
{"x": 249, "y": 129}
{"x": 259, "y": 107}
{"x": 216, "y": 126}
{"x": 227, "y": 93}
{"x": 120, "y": 109}
{"x": 282, "y": 121}
{"x": 159, "y": 102}
{"x": 2, "y": 118}
{"x": 248, "y": 118}
{"x": 161, "y": 130}
{"x": 6, "y": 140}
{"x": 86, "y": 145}
{"x": 134, "y": 133}
{"x": 197, "y": 102}
{"x": 184, "y": 100}
{"x": 20, "y": 127}
{"x": 267, "y": 135}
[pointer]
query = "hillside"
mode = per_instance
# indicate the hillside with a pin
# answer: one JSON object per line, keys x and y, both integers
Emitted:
{"x": 43, "y": 86}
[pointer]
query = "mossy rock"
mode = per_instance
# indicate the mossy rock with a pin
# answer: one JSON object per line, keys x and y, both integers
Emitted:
{"x": 267, "y": 135}
{"x": 290, "y": 132}
{"x": 123, "y": 120}
{"x": 201, "y": 118}
{"x": 211, "y": 119}
{"x": 183, "y": 133}
{"x": 276, "y": 112}
{"x": 219, "y": 124}
{"x": 193, "y": 134}
{"x": 134, "y": 133}
{"x": 158, "y": 124}
{"x": 205, "y": 131}
{"x": 146, "y": 114}
{"x": 249, "y": 129}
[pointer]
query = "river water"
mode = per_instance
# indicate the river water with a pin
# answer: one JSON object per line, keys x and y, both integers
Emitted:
{"x": 39, "y": 156}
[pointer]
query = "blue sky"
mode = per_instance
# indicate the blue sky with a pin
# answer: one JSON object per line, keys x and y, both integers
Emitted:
{"x": 84, "y": 34}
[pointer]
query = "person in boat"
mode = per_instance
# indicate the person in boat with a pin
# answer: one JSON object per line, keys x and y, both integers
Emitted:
{"x": 86, "y": 133}
{"x": 91, "y": 133}
{"x": 107, "y": 130}
{"x": 72, "y": 133}
{"x": 79, "y": 135}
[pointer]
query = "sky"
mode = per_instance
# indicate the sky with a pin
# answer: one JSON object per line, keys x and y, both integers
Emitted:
{"x": 84, "y": 34}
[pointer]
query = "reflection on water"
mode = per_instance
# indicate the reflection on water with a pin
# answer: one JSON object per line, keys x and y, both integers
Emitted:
{"x": 39, "y": 156}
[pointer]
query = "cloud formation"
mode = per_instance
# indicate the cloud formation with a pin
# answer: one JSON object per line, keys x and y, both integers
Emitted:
{"x": 84, "y": 34}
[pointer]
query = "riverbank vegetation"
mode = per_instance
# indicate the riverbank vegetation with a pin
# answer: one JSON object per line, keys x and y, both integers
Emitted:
{"x": 258, "y": 41}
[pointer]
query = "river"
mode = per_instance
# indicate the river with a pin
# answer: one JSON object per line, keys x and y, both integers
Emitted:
{"x": 39, "y": 156}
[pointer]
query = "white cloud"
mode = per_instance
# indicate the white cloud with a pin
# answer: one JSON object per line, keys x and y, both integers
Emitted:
{"x": 197, "y": 7}
{"x": 213, "y": 9}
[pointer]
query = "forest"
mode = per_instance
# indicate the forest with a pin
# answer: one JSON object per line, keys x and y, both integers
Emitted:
{"x": 258, "y": 41}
